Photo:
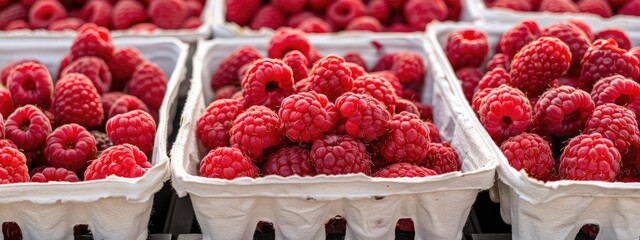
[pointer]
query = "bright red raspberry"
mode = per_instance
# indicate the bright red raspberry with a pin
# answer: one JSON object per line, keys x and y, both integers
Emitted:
{"x": 102, "y": 140}
{"x": 467, "y": 48}
{"x": 356, "y": 70}
{"x": 533, "y": 78}
{"x": 44, "y": 12}
{"x": 128, "y": 13}
{"x": 407, "y": 139}
{"x": 604, "y": 58}
{"x": 307, "y": 116}
{"x": 590, "y": 157}
{"x": 254, "y": 130}
{"x": 298, "y": 64}
{"x": 268, "y": 16}
{"x": 530, "y": 152}
{"x": 562, "y": 111}
{"x": 149, "y": 84}
{"x": 241, "y": 11}
{"x": 378, "y": 88}
{"x": 70, "y": 146}
{"x": 227, "y": 71}
{"x": 66, "y": 24}
{"x": 226, "y": 92}
{"x": 419, "y": 13}
{"x": 95, "y": 69}
{"x": 52, "y": 174}
{"x": 30, "y": 83}
{"x": 621, "y": 38}
{"x": 97, "y": 12}
{"x": 28, "y": 128}
{"x": 314, "y": 25}
{"x": 398, "y": 170}
{"x": 268, "y": 82}
{"x": 505, "y": 111}
{"x": 379, "y": 9}
{"x": 6, "y": 104}
{"x": 385, "y": 62}
{"x": 598, "y": 7}
{"x": 330, "y": 77}
{"x": 392, "y": 79}
{"x": 478, "y": 97}
{"x": 12, "y": 13}
{"x": 574, "y": 37}
{"x": 124, "y": 104}
{"x": 342, "y": 12}
{"x": 558, "y": 6}
{"x": 136, "y": 128}
{"x": 7, "y": 143}
{"x": 289, "y": 161}
{"x": 366, "y": 117}
{"x": 523, "y": 6}
{"x": 214, "y": 124}
{"x": 288, "y": 39}
{"x": 442, "y": 158}
{"x": 615, "y": 123}
{"x": 631, "y": 7}
{"x": 469, "y": 77}
{"x": 168, "y": 14}
{"x": 227, "y": 163}
{"x": 340, "y": 154}
{"x": 76, "y": 100}
{"x": 493, "y": 79}
{"x": 499, "y": 60}
{"x": 364, "y": 23}
{"x": 517, "y": 37}
{"x": 6, "y": 70}
{"x": 92, "y": 40}
{"x": 619, "y": 90}
{"x": 123, "y": 160}
{"x": 13, "y": 166}
{"x": 408, "y": 67}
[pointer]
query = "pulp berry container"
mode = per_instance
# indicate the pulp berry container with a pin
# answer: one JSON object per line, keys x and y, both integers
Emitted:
{"x": 298, "y": 207}
{"x": 555, "y": 209}
{"x": 114, "y": 208}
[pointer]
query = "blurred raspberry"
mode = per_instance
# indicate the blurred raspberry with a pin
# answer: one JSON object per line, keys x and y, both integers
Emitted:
{"x": 167, "y": 14}
{"x": 385, "y": 62}
{"x": 287, "y": 39}
{"x": 298, "y": 64}
{"x": 11, "y": 231}
{"x": 195, "y": 7}
{"x": 366, "y": 117}
{"x": 123, "y": 160}
{"x": 407, "y": 139}
{"x": 419, "y": 13}
{"x": 404, "y": 170}
{"x": 12, "y": 13}
{"x": 149, "y": 84}
{"x": 66, "y": 24}
{"x": 254, "y": 130}
{"x": 95, "y": 69}
{"x": 615, "y": 123}
{"x": 604, "y": 59}
{"x": 499, "y": 60}
{"x": 124, "y": 104}
{"x": 70, "y": 146}
{"x": 523, "y": 6}
{"x": 102, "y": 140}
{"x": 6, "y": 104}
{"x": 575, "y": 39}
{"x": 108, "y": 99}
{"x": 598, "y": 7}
{"x": 191, "y": 23}
{"x": 562, "y": 111}
{"x": 143, "y": 27}
{"x": 13, "y": 166}
{"x": 241, "y": 11}
{"x": 518, "y": 36}
{"x": 52, "y": 174}
{"x": 442, "y": 158}
{"x": 354, "y": 57}
{"x": 400, "y": 27}
{"x": 267, "y": 83}
{"x": 227, "y": 163}
{"x": 127, "y": 13}
{"x": 318, "y": 5}
{"x": 621, "y": 38}
{"x": 30, "y": 83}
{"x": 66, "y": 60}
{"x": 214, "y": 124}
{"x": 28, "y": 128}
{"x": 307, "y": 116}
{"x": 493, "y": 79}
{"x": 289, "y": 161}
{"x": 289, "y": 6}
{"x": 339, "y": 154}
{"x": 76, "y": 100}
{"x": 341, "y": 12}
{"x": 469, "y": 77}
{"x": 330, "y": 77}
{"x": 590, "y": 157}
{"x": 97, "y": 12}
{"x": 226, "y": 92}
{"x": 301, "y": 86}
{"x": 297, "y": 18}
{"x": 631, "y": 7}
{"x": 136, "y": 128}
{"x": 531, "y": 153}
{"x": 583, "y": 26}
{"x": 505, "y": 112}
{"x": 314, "y": 25}
{"x": 558, "y": 6}
{"x": 364, "y": 23}
{"x": 44, "y": 12}
{"x": 467, "y": 48}
{"x": 426, "y": 112}
{"x": 92, "y": 40}
{"x": 454, "y": 9}
{"x": 227, "y": 71}
{"x": 379, "y": 10}
{"x": 408, "y": 67}
{"x": 268, "y": 16}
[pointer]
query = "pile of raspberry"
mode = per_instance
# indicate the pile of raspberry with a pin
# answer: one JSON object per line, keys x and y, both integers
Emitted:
{"x": 298, "y": 113}
{"x": 137, "y": 15}
{"x": 561, "y": 101}
{"x": 602, "y": 8}
{"x": 323, "y": 16}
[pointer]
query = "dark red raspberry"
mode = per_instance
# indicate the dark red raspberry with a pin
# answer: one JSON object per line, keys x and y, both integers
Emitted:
{"x": 226, "y": 92}
{"x": 517, "y": 37}
{"x": 493, "y": 79}
{"x": 168, "y": 14}
{"x": 227, "y": 71}
{"x": 66, "y": 24}
{"x": 469, "y": 77}
{"x": 44, "y": 12}
{"x": 214, "y": 124}
{"x": 407, "y": 139}
{"x": 467, "y": 48}
{"x": 385, "y": 62}
{"x": 530, "y": 152}
{"x": 6, "y": 104}
{"x": 13, "y": 166}
{"x": 289, "y": 161}
{"x": 574, "y": 37}
{"x": 268, "y": 82}
{"x": 108, "y": 99}
{"x": 136, "y": 128}
{"x": 227, "y": 163}
{"x": 11, "y": 230}
{"x": 254, "y": 130}
{"x": 408, "y": 67}
{"x": 524, "y": 6}
{"x": 297, "y": 18}
{"x": 618, "y": 35}
{"x": 619, "y": 90}
{"x": 241, "y": 11}
{"x": 123, "y": 160}
{"x": 102, "y": 140}
{"x": 341, "y": 12}
{"x": 478, "y": 97}
{"x": 52, "y": 174}
{"x": 288, "y": 39}
{"x": 70, "y": 146}
{"x": 76, "y": 100}
{"x": 631, "y": 7}
{"x": 562, "y": 111}
{"x": 426, "y": 112}
{"x": 30, "y": 83}
{"x": 340, "y": 154}
{"x": 615, "y": 123}
{"x": 364, "y": 23}
{"x": 378, "y": 88}
{"x": 11, "y": 14}
{"x": 354, "y": 57}
{"x": 505, "y": 112}
{"x": 598, "y": 7}
{"x": 442, "y": 158}
{"x": 289, "y": 6}
{"x": 499, "y": 60}
{"x": 307, "y": 116}
{"x": 124, "y": 104}
{"x": 149, "y": 84}
{"x": 379, "y": 10}
{"x": 314, "y": 25}
{"x": 128, "y": 13}
{"x": 28, "y": 128}
{"x": 533, "y": 78}
{"x": 407, "y": 106}
{"x": 419, "y": 13}
{"x": 392, "y": 79}
{"x": 268, "y": 16}
{"x": 298, "y": 64}
{"x": 590, "y": 157}
{"x": 398, "y": 170}
{"x": 434, "y": 135}
{"x": 97, "y": 12}
{"x": 330, "y": 77}
{"x": 400, "y": 28}
{"x": 92, "y": 40}
{"x": 558, "y": 6}
{"x": 366, "y": 117}
{"x": 95, "y": 69}
{"x": 604, "y": 58}
{"x": 396, "y": 4}
{"x": 583, "y": 26}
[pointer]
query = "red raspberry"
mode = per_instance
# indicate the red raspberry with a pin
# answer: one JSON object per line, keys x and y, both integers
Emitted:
{"x": 13, "y": 166}
{"x": 505, "y": 112}
{"x": 590, "y": 158}
{"x": 289, "y": 6}
{"x": 214, "y": 124}
{"x": 604, "y": 59}
{"x": 407, "y": 106}
{"x": 469, "y": 77}
{"x": 12, "y": 13}
{"x": 378, "y": 88}
{"x": 354, "y": 57}
{"x": 136, "y": 128}
{"x": 339, "y": 154}
{"x": 102, "y": 140}
{"x": 6, "y": 70}
{"x": 454, "y": 9}
{"x": 289, "y": 161}
{"x": 298, "y": 64}
{"x": 442, "y": 158}
{"x": 621, "y": 38}
{"x": 301, "y": 86}
{"x": 517, "y": 37}
{"x": 407, "y": 139}
{"x": 408, "y": 67}
{"x": 366, "y": 117}
{"x": 66, "y": 24}
{"x": 241, "y": 11}
{"x": 631, "y": 7}
{"x": 97, "y": 12}
{"x": 426, "y": 112}
{"x": 92, "y": 40}
{"x": 331, "y": 77}
{"x": 307, "y": 116}
{"x": 379, "y": 10}
{"x": 267, "y": 83}
{"x": 493, "y": 79}
{"x": 392, "y": 79}
{"x": 619, "y": 90}
{"x": 575, "y": 39}
{"x": 70, "y": 146}
{"x": 398, "y": 170}
{"x": 254, "y": 130}
{"x": 128, "y": 13}
{"x": 342, "y": 12}
{"x": 143, "y": 27}
{"x": 598, "y": 7}
{"x": 499, "y": 61}
{"x": 17, "y": 25}
{"x": 467, "y": 48}
{"x": 364, "y": 23}
{"x": 356, "y": 70}
{"x": 6, "y": 104}
{"x": 562, "y": 111}
{"x": 226, "y": 92}
{"x": 558, "y": 6}
{"x": 124, "y": 104}
{"x": 523, "y": 6}
{"x": 297, "y": 18}
{"x": 76, "y": 100}
{"x": 385, "y": 62}
{"x": 123, "y": 160}
{"x": 287, "y": 39}
{"x": 30, "y": 83}
{"x": 191, "y": 23}
{"x": 95, "y": 69}
{"x": 314, "y": 25}
{"x": 529, "y": 75}
{"x": 268, "y": 16}
{"x": 52, "y": 174}
{"x": 227, "y": 71}
{"x": 168, "y": 14}
{"x": 149, "y": 84}
{"x": 396, "y": 4}
{"x": 478, "y": 97}
{"x": 66, "y": 60}
{"x": 400, "y": 28}
{"x": 108, "y": 99}
{"x": 434, "y": 136}
{"x": 28, "y": 128}
{"x": 227, "y": 163}
{"x": 419, "y": 13}
{"x": 7, "y": 143}
{"x": 530, "y": 152}
{"x": 44, "y": 12}
{"x": 615, "y": 123}
{"x": 195, "y": 7}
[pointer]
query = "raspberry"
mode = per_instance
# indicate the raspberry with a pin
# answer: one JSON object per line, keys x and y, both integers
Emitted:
{"x": 354, "y": 57}
{"x": 366, "y": 117}
{"x": 44, "y": 12}
{"x": 426, "y": 112}
{"x": 214, "y": 124}
{"x": 378, "y": 88}
{"x": 533, "y": 78}
{"x": 331, "y": 77}
{"x": 267, "y": 83}
{"x": 434, "y": 136}
{"x": 195, "y": 7}
{"x": 562, "y": 111}
{"x": 621, "y": 38}
{"x": 505, "y": 112}
{"x": 314, "y": 25}
{"x": 493, "y": 79}
{"x": 342, "y": 12}
{"x": 407, "y": 106}
{"x": 11, "y": 231}
{"x": 268, "y": 16}
{"x": 517, "y": 37}
{"x": 297, "y": 18}
{"x": 95, "y": 69}
{"x": 523, "y": 6}
{"x": 66, "y": 60}
{"x": 615, "y": 123}
{"x": 575, "y": 39}
{"x": 631, "y": 7}
{"x": 590, "y": 157}
{"x": 124, "y": 104}
{"x": 128, "y": 13}
{"x": 13, "y": 166}
{"x": 356, "y": 70}
{"x": 467, "y": 48}
{"x": 407, "y": 139}
{"x": 289, "y": 161}
{"x": 364, "y": 23}
{"x": 442, "y": 158}
{"x": 149, "y": 84}
{"x": 396, "y": 4}
{"x": 454, "y": 9}
{"x": 191, "y": 23}
{"x": 30, "y": 83}
{"x": 419, "y": 13}
{"x": 66, "y": 24}
{"x": 136, "y": 128}
{"x": 70, "y": 146}
{"x": 227, "y": 71}
{"x": 28, "y": 128}
{"x": 604, "y": 59}
{"x": 469, "y": 77}
{"x": 108, "y": 99}
{"x": 97, "y": 12}
{"x": 226, "y": 92}
{"x": 619, "y": 90}
{"x": 298, "y": 64}
{"x": 385, "y": 62}
{"x": 379, "y": 10}
{"x": 52, "y": 174}
{"x": 598, "y": 7}
{"x": 143, "y": 27}
{"x": 499, "y": 60}
{"x": 227, "y": 163}
{"x": 400, "y": 27}
{"x": 12, "y": 13}
{"x": 241, "y": 11}
{"x": 76, "y": 100}
{"x": 287, "y": 39}
{"x": 102, "y": 140}
{"x": 339, "y": 154}
{"x": 307, "y": 116}
{"x": 408, "y": 67}
{"x": 397, "y": 170}
{"x": 530, "y": 152}
{"x": 167, "y": 14}
{"x": 6, "y": 104}
{"x": 392, "y": 79}
{"x": 478, "y": 97}
{"x": 558, "y": 6}
{"x": 254, "y": 130}
{"x": 92, "y": 40}
{"x": 123, "y": 160}
{"x": 7, "y": 143}
{"x": 6, "y": 70}
{"x": 301, "y": 86}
